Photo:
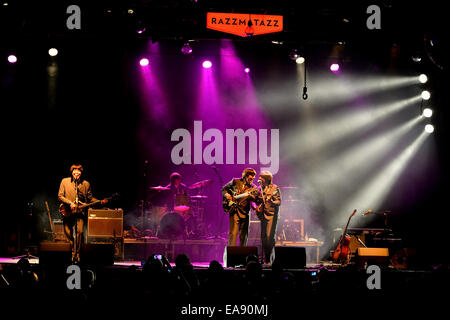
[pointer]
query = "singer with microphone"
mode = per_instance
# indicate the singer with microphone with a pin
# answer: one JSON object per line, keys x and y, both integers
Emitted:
{"x": 268, "y": 212}
{"x": 238, "y": 197}
{"x": 73, "y": 192}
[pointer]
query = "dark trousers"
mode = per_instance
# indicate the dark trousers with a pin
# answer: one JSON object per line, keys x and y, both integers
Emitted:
{"x": 69, "y": 224}
{"x": 239, "y": 226}
{"x": 268, "y": 234}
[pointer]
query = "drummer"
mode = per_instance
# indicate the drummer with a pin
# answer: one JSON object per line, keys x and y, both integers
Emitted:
{"x": 176, "y": 187}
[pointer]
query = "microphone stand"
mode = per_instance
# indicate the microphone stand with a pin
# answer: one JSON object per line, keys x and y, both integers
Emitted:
{"x": 215, "y": 237}
{"x": 75, "y": 225}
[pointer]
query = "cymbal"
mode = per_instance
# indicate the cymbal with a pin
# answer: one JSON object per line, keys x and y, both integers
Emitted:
{"x": 198, "y": 197}
{"x": 159, "y": 188}
{"x": 200, "y": 184}
{"x": 289, "y": 187}
{"x": 291, "y": 200}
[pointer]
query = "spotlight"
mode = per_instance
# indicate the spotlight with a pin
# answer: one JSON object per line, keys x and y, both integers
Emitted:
{"x": 427, "y": 112}
{"x": 144, "y": 62}
{"x": 12, "y": 58}
{"x": 334, "y": 67}
{"x": 53, "y": 52}
{"x": 247, "y": 70}
{"x": 300, "y": 60}
{"x": 416, "y": 58}
{"x": 423, "y": 78}
{"x": 429, "y": 128}
{"x": 140, "y": 28}
{"x": 207, "y": 64}
{"x": 186, "y": 48}
{"x": 293, "y": 54}
{"x": 426, "y": 95}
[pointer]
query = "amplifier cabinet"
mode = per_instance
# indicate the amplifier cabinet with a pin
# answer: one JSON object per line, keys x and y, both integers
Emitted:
{"x": 105, "y": 223}
{"x": 58, "y": 231}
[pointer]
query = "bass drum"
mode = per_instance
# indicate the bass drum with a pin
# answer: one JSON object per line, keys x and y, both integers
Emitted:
{"x": 172, "y": 227}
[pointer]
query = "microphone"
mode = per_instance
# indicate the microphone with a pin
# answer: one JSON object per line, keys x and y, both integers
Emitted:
{"x": 367, "y": 212}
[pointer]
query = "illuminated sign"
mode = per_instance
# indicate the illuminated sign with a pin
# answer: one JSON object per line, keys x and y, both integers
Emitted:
{"x": 244, "y": 24}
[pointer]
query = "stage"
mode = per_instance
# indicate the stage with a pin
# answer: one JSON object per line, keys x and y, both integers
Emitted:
{"x": 172, "y": 128}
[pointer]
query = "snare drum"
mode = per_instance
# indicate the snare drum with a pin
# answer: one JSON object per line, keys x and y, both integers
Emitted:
{"x": 182, "y": 202}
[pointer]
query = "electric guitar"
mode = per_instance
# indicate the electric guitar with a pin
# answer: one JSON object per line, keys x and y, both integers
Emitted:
{"x": 67, "y": 211}
{"x": 230, "y": 205}
{"x": 266, "y": 197}
{"x": 342, "y": 249}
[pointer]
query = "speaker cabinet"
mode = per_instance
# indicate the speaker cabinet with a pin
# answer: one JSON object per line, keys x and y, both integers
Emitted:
{"x": 290, "y": 257}
{"x": 60, "y": 253}
{"x": 58, "y": 230}
{"x": 105, "y": 223}
{"x": 97, "y": 254}
{"x": 54, "y": 253}
{"x": 237, "y": 256}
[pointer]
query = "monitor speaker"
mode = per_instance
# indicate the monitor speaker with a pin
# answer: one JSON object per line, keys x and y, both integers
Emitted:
{"x": 290, "y": 257}
{"x": 238, "y": 256}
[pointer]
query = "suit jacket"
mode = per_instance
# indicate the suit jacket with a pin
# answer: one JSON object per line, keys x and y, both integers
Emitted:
{"x": 236, "y": 187}
{"x": 67, "y": 192}
{"x": 271, "y": 201}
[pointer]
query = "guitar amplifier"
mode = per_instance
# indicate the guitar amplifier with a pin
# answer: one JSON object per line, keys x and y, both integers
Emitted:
{"x": 106, "y": 227}
{"x": 58, "y": 231}
{"x": 105, "y": 223}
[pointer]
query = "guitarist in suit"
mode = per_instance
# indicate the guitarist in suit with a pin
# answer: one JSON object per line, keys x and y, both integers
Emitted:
{"x": 267, "y": 211}
{"x": 239, "y": 213}
{"x": 69, "y": 196}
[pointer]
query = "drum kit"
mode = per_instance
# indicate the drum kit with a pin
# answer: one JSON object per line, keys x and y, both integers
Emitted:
{"x": 182, "y": 216}
{"x": 185, "y": 219}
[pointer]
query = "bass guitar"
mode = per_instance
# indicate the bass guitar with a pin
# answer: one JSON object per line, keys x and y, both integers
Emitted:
{"x": 67, "y": 211}
{"x": 230, "y": 205}
{"x": 341, "y": 252}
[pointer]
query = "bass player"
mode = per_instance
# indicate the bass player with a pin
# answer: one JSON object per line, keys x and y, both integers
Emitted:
{"x": 74, "y": 192}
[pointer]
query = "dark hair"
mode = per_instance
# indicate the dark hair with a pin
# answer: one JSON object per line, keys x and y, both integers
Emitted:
{"x": 175, "y": 176}
{"x": 248, "y": 172}
{"x": 76, "y": 166}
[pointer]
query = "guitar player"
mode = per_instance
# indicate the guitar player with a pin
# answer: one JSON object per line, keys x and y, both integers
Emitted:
{"x": 239, "y": 214}
{"x": 71, "y": 199}
{"x": 268, "y": 212}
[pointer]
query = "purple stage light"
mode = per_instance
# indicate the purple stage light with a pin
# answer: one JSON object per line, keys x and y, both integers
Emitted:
{"x": 186, "y": 48}
{"x": 12, "y": 58}
{"x": 144, "y": 62}
{"x": 247, "y": 70}
{"x": 334, "y": 67}
{"x": 207, "y": 64}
